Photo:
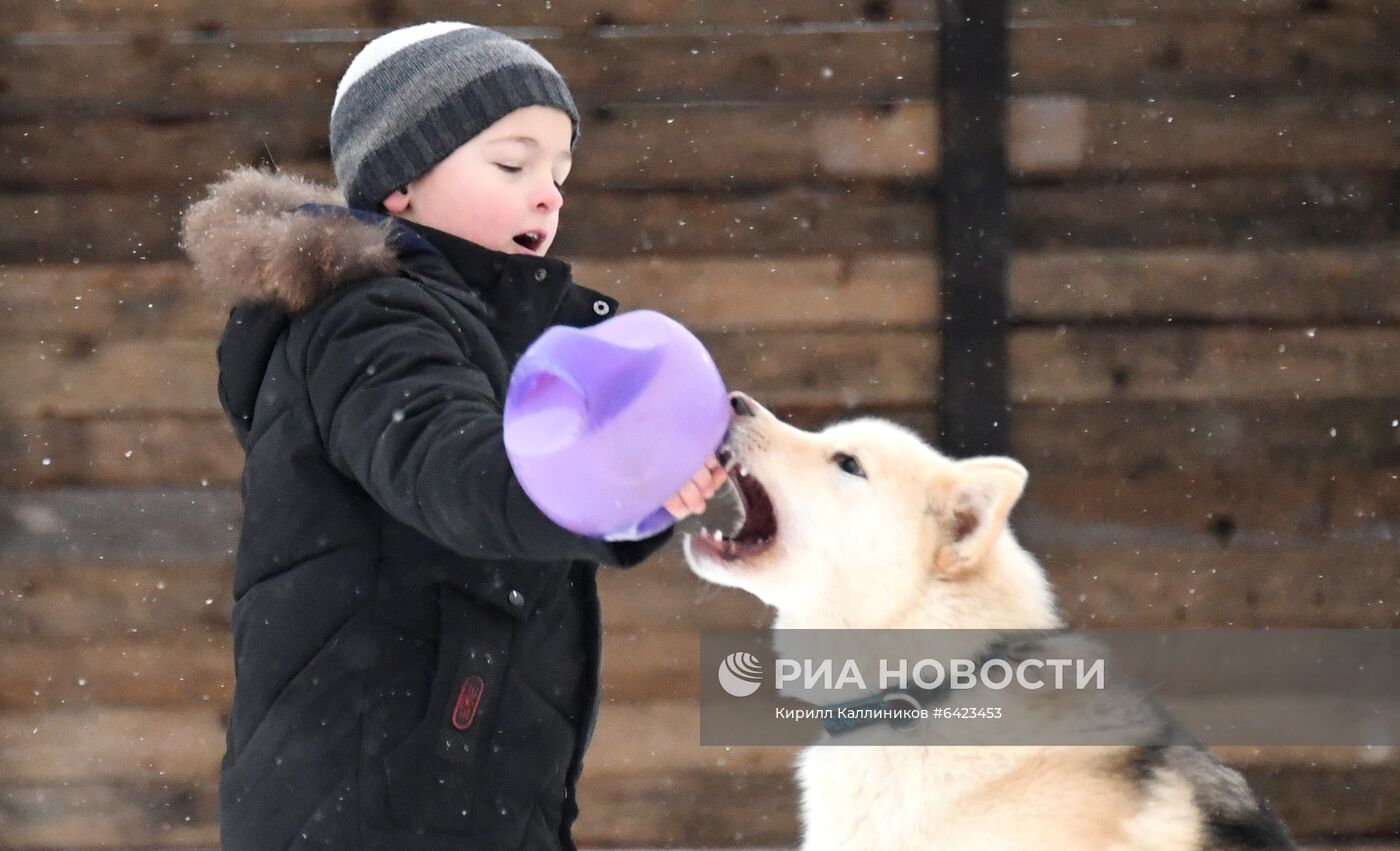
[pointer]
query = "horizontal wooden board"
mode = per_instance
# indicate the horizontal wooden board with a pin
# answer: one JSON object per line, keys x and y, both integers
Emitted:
{"x": 81, "y": 525}
{"x": 90, "y": 377}
{"x": 1281, "y": 435}
{"x": 705, "y": 810}
{"x": 104, "y": 227}
{"x": 725, "y": 295}
{"x": 1190, "y": 9}
{"x": 1263, "y": 505}
{"x": 184, "y": 744}
{"x": 72, "y": 229}
{"x": 731, "y": 802}
{"x": 1303, "y": 286}
{"x": 75, "y": 152}
{"x": 125, "y": 378}
{"x": 142, "y": 813}
{"x": 1127, "y": 438}
{"x": 829, "y": 369}
{"x": 1312, "y": 802}
{"x": 716, "y": 810}
{"x": 644, "y": 737}
{"x": 685, "y": 145}
{"x": 1303, "y": 209}
{"x": 191, "y": 668}
{"x": 184, "y": 816}
{"x": 1158, "y": 135}
{"x": 195, "y": 668}
{"x": 1193, "y": 586}
{"x": 1060, "y": 365}
{"x": 85, "y": 745}
{"x": 1214, "y": 470}
{"x": 106, "y": 301}
{"x": 1221, "y": 57}
{"x": 1185, "y": 285}
{"x": 151, "y": 73}
{"x": 1129, "y": 581}
{"x": 654, "y": 616}
{"x": 1132, "y": 438}
{"x": 1366, "y": 504}
{"x": 654, "y": 625}
{"x": 737, "y": 144}
{"x": 127, "y": 452}
{"x": 204, "y": 16}
{"x": 158, "y": 74}
{"x": 189, "y": 602}
{"x": 1295, "y": 211}
{"x": 36, "y": 16}
{"x": 1109, "y": 575}
{"x": 182, "y": 604}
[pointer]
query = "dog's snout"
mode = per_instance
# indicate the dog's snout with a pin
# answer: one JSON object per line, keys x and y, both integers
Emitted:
{"x": 743, "y": 406}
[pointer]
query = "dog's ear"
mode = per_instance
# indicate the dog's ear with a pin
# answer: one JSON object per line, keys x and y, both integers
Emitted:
{"x": 973, "y": 502}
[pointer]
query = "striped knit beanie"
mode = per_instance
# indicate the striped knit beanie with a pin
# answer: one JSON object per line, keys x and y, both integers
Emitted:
{"x": 414, "y": 95}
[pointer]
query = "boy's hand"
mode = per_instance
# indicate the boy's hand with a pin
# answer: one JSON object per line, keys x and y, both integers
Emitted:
{"x": 691, "y": 498}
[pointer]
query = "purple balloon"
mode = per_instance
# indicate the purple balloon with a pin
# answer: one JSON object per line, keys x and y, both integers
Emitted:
{"x": 603, "y": 424}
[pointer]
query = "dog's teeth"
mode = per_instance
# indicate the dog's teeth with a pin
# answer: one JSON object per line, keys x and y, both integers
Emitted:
{"x": 743, "y": 470}
{"x": 717, "y": 535}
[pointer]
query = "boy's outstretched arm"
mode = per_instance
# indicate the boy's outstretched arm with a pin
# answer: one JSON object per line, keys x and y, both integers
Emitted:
{"x": 402, "y": 409}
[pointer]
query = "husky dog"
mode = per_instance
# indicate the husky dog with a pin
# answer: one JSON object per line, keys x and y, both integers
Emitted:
{"x": 865, "y": 526}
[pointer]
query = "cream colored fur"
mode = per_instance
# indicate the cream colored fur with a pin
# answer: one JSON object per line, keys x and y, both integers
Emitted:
{"x": 922, "y": 542}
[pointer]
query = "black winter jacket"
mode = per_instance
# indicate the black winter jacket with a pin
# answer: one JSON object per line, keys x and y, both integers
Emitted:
{"x": 416, "y": 644}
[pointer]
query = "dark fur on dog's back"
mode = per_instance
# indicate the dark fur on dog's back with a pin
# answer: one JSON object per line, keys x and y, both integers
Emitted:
{"x": 1259, "y": 829}
{"x": 1234, "y": 819}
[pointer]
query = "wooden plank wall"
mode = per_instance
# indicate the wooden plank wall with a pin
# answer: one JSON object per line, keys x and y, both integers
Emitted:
{"x": 1203, "y": 354}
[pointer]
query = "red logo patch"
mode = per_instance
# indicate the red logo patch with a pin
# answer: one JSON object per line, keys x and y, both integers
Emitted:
{"x": 468, "y": 699}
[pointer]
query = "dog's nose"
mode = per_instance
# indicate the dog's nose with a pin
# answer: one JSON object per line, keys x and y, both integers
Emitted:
{"x": 741, "y": 405}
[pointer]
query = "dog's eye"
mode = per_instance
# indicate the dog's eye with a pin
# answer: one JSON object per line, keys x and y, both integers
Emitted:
{"x": 848, "y": 464}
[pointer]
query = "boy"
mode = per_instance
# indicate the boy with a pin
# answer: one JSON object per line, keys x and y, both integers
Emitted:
{"x": 416, "y": 644}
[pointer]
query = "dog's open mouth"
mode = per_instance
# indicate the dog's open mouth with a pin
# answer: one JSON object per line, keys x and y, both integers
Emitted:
{"x": 531, "y": 240}
{"x": 755, "y": 534}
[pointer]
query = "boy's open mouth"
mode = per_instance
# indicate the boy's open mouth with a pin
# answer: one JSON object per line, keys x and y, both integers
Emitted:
{"x": 531, "y": 240}
{"x": 760, "y": 525}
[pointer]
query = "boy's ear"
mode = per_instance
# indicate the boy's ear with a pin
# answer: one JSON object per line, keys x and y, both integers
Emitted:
{"x": 397, "y": 201}
{"x": 974, "y": 502}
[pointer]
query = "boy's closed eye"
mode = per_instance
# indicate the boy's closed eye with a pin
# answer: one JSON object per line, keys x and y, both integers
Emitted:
{"x": 515, "y": 169}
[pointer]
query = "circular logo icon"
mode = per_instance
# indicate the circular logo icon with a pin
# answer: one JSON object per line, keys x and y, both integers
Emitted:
{"x": 896, "y": 697}
{"x": 740, "y": 674}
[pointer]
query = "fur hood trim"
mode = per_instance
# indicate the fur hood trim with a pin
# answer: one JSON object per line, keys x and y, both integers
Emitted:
{"x": 249, "y": 242}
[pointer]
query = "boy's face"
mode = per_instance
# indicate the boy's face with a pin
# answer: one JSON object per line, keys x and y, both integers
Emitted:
{"x": 501, "y": 189}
